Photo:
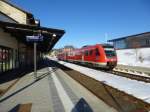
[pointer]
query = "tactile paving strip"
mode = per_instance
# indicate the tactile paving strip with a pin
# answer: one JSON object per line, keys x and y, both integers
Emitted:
{"x": 57, "y": 104}
{"x": 69, "y": 91}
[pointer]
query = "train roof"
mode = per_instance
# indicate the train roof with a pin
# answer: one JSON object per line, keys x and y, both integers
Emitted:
{"x": 107, "y": 45}
{"x": 130, "y": 36}
{"x": 86, "y": 47}
{"x": 104, "y": 45}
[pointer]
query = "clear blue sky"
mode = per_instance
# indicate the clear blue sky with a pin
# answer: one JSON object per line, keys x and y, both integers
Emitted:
{"x": 87, "y": 22}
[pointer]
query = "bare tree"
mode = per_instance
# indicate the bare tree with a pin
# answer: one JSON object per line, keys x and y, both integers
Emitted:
{"x": 136, "y": 46}
{"x": 140, "y": 57}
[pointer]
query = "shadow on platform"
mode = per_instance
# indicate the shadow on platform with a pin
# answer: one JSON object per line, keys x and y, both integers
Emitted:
{"x": 82, "y": 106}
{"x": 28, "y": 85}
{"x": 15, "y": 109}
{"x": 19, "y": 72}
{"x": 22, "y": 108}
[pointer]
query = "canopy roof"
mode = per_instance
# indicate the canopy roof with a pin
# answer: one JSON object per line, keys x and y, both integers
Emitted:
{"x": 20, "y": 31}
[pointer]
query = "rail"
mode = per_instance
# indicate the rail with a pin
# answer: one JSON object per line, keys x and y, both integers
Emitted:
{"x": 132, "y": 74}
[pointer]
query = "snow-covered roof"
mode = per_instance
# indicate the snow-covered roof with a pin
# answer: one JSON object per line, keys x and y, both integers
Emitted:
{"x": 131, "y": 36}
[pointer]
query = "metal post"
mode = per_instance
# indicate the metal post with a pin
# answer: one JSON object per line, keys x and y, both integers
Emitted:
{"x": 35, "y": 71}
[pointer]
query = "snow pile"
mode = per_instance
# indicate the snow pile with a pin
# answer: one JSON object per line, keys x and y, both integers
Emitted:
{"x": 134, "y": 57}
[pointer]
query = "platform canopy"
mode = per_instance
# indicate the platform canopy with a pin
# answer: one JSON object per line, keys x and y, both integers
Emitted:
{"x": 20, "y": 31}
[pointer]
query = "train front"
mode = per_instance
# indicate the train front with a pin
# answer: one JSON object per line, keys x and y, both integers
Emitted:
{"x": 110, "y": 56}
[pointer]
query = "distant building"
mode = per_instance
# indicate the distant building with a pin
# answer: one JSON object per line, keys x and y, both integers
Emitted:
{"x": 133, "y": 50}
{"x": 68, "y": 48}
{"x": 55, "y": 52}
{"x": 134, "y": 41}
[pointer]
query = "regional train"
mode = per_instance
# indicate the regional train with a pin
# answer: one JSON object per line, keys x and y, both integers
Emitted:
{"x": 99, "y": 55}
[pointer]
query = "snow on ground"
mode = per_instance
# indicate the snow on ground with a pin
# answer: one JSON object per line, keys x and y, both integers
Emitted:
{"x": 134, "y": 57}
{"x": 135, "y": 88}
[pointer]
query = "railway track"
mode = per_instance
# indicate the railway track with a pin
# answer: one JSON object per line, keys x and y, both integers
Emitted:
{"x": 131, "y": 74}
{"x": 134, "y": 75}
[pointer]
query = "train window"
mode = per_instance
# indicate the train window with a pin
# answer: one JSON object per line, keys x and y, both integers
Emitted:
{"x": 91, "y": 52}
{"x": 86, "y": 53}
{"x": 97, "y": 52}
{"x": 110, "y": 53}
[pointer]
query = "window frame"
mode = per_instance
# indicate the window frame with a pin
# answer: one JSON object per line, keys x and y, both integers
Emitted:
{"x": 5, "y": 59}
{"x": 86, "y": 53}
{"x": 97, "y": 53}
{"x": 91, "y": 52}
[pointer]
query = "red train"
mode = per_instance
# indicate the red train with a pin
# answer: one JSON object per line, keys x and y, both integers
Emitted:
{"x": 99, "y": 55}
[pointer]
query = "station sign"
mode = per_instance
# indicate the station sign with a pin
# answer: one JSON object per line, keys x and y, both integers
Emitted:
{"x": 37, "y": 38}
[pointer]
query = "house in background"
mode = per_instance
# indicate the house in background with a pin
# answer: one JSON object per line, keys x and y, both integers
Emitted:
{"x": 134, "y": 41}
{"x": 133, "y": 50}
{"x": 68, "y": 48}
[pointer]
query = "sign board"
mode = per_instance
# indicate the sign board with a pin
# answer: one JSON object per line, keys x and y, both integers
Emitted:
{"x": 37, "y": 38}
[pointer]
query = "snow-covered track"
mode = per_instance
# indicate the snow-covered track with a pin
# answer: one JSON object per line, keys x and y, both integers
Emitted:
{"x": 132, "y": 74}
{"x": 139, "y": 76}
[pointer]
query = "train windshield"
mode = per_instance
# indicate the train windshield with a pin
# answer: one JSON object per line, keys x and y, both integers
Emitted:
{"x": 110, "y": 52}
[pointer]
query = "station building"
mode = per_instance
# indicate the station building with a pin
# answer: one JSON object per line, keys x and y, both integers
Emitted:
{"x": 15, "y": 25}
{"x": 134, "y": 41}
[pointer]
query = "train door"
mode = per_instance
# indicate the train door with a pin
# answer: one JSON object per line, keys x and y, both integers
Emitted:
{"x": 97, "y": 55}
{"x": 65, "y": 56}
{"x": 91, "y": 54}
{"x": 82, "y": 57}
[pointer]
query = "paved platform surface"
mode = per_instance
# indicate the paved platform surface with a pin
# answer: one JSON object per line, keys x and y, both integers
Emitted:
{"x": 55, "y": 91}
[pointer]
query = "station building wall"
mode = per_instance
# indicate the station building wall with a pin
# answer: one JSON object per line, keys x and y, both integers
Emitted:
{"x": 8, "y": 51}
{"x": 25, "y": 55}
{"x": 13, "y": 54}
{"x": 7, "y": 40}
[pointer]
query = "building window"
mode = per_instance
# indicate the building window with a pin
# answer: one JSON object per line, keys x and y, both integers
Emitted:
{"x": 148, "y": 42}
{"x": 86, "y": 53}
{"x": 120, "y": 44}
{"x": 6, "y": 59}
{"x": 1, "y": 62}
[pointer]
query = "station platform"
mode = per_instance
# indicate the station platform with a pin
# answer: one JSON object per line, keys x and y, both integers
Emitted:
{"x": 54, "y": 91}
